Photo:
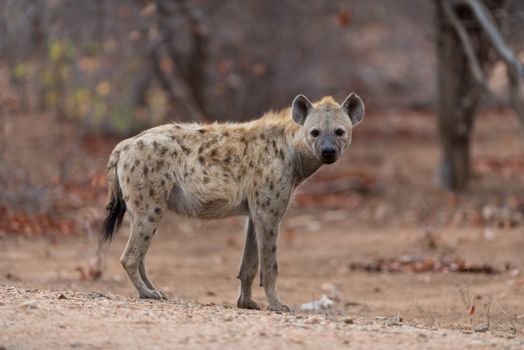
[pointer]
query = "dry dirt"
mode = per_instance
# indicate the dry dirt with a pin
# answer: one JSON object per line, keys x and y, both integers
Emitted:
{"x": 380, "y": 201}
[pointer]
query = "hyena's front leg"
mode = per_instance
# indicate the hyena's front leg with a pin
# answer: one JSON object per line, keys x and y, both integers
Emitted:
{"x": 267, "y": 238}
{"x": 248, "y": 269}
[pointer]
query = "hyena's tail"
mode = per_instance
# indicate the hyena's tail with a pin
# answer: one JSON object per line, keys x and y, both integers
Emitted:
{"x": 116, "y": 206}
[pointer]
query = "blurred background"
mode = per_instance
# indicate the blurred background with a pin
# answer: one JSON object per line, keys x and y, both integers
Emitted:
{"x": 436, "y": 170}
{"x": 78, "y": 75}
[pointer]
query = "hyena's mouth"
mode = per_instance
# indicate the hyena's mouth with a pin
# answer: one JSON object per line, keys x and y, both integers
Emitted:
{"x": 328, "y": 160}
{"x": 328, "y": 156}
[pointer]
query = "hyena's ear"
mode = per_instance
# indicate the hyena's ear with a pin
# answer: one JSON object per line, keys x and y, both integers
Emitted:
{"x": 300, "y": 109}
{"x": 354, "y": 108}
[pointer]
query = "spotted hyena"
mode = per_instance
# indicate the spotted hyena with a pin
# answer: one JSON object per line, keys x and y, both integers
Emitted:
{"x": 219, "y": 170}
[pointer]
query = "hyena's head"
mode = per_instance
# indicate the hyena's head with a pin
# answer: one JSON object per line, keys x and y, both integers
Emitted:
{"x": 327, "y": 126}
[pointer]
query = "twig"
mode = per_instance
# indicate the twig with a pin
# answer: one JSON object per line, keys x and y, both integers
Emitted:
{"x": 504, "y": 327}
{"x": 466, "y": 297}
{"x": 488, "y": 307}
{"x": 507, "y": 316}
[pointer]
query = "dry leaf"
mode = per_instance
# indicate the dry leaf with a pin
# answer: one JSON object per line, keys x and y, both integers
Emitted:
{"x": 471, "y": 310}
{"x": 342, "y": 19}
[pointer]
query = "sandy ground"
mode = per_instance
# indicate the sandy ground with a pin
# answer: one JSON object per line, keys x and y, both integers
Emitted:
{"x": 33, "y": 319}
{"x": 381, "y": 201}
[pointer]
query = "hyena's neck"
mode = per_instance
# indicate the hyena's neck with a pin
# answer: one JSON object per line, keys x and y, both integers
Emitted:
{"x": 305, "y": 162}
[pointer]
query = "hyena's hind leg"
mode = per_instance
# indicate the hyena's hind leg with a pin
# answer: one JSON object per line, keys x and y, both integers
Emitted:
{"x": 143, "y": 228}
{"x": 143, "y": 274}
{"x": 248, "y": 269}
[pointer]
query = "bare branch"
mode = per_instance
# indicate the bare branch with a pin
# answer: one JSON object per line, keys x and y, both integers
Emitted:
{"x": 474, "y": 64}
{"x": 516, "y": 95}
{"x": 155, "y": 58}
{"x": 515, "y": 68}
{"x": 190, "y": 67}
{"x": 487, "y": 23}
{"x": 173, "y": 93}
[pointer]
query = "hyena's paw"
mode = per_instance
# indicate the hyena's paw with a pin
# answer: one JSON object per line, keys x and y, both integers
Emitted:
{"x": 244, "y": 303}
{"x": 279, "y": 308}
{"x": 152, "y": 294}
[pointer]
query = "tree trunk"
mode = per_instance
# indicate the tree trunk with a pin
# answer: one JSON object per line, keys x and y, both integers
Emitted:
{"x": 458, "y": 95}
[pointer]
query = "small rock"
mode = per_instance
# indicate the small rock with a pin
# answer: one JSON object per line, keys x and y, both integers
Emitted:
{"x": 394, "y": 321}
{"x": 351, "y": 303}
{"x": 62, "y": 296}
{"x": 489, "y": 234}
{"x": 348, "y": 320}
{"x": 332, "y": 291}
{"x": 313, "y": 320}
{"x": 95, "y": 295}
{"x": 323, "y": 303}
{"x": 297, "y": 341}
{"x": 117, "y": 279}
{"x": 481, "y": 328}
{"x": 29, "y": 305}
{"x": 227, "y": 305}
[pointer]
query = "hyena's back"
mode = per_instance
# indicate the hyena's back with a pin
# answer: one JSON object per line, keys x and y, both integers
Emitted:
{"x": 201, "y": 171}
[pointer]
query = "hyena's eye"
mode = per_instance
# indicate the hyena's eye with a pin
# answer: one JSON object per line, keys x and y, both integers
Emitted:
{"x": 339, "y": 132}
{"x": 315, "y": 132}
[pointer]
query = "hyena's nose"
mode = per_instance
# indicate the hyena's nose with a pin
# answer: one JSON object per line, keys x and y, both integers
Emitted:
{"x": 328, "y": 154}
